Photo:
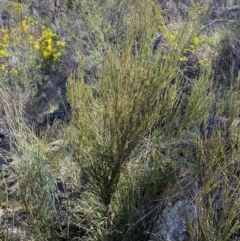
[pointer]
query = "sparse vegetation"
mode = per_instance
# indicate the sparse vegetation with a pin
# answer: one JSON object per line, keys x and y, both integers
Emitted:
{"x": 114, "y": 115}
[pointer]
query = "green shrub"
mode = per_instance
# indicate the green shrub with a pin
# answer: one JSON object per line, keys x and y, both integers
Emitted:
{"x": 132, "y": 144}
{"x": 133, "y": 93}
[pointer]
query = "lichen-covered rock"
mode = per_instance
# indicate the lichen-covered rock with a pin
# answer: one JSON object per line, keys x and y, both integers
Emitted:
{"x": 226, "y": 12}
{"x": 172, "y": 223}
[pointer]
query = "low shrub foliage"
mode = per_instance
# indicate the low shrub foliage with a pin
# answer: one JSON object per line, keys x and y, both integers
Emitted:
{"x": 140, "y": 134}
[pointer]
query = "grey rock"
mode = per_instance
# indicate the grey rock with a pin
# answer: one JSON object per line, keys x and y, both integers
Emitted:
{"x": 3, "y": 167}
{"x": 226, "y": 12}
{"x": 63, "y": 113}
{"x": 4, "y": 18}
{"x": 172, "y": 223}
{"x": 223, "y": 16}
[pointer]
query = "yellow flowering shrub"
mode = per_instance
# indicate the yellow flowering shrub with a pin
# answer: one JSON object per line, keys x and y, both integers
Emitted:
{"x": 48, "y": 45}
{"x": 17, "y": 7}
{"x": 24, "y": 26}
{"x": 43, "y": 39}
{"x": 171, "y": 36}
{"x": 27, "y": 47}
{"x": 4, "y": 40}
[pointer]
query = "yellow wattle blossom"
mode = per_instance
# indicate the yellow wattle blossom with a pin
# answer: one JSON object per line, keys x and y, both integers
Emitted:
{"x": 24, "y": 26}
{"x": 31, "y": 21}
{"x": 45, "y": 54}
{"x": 31, "y": 39}
{"x": 61, "y": 43}
{"x": 56, "y": 55}
{"x": 5, "y": 38}
{"x": 49, "y": 48}
{"x": 17, "y": 7}
{"x": 3, "y": 53}
{"x": 37, "y": 46}
{"x": 48, "y": 45}
{"x": 48, "y": 34}
{"x": 196, "y": 41}
{"x": 14, "y": 70}
{"x": 49, "y": 41}
{"x": 183, "y": 59}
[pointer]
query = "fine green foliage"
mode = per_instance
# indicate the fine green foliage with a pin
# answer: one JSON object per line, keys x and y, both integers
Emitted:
{"x": 133, "y": 94}
{"x": 138, "y": 134}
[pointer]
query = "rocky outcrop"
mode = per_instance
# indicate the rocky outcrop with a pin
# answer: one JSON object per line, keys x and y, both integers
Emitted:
{"x": 63, "y": 113}
{"x": 227, "y": 13}
{"x": 223, "y": 16}
{"x": 171, "y": 225}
